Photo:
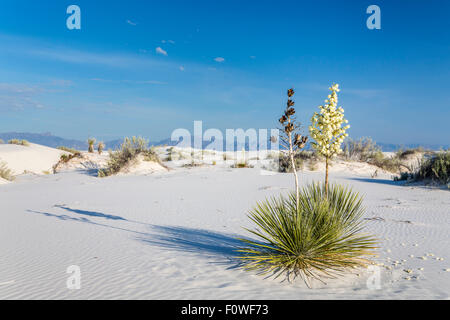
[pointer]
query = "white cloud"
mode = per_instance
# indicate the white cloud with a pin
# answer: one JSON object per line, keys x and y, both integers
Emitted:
{"x": 161, "y": 51}
{"x": 219, "y": 59}
{"x": 131, "y": 23}
{"x": 181, "y": 68}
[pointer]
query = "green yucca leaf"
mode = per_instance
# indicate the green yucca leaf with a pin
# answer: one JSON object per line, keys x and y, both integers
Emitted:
{"x": 322, "y": 238}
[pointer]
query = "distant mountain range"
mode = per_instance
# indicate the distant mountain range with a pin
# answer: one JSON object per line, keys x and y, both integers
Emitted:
{"x": 47, "y": 139}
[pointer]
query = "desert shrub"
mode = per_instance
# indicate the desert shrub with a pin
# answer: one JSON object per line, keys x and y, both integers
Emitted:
{"x": 243, "y": 162}
{"x": 300, "y": 158}
{"x": 19, "y": 142}
{"x": 391, "y": 164}
{"x": 5, "y": 172}
{"x": 404, "y": 176}
{"x": 1, "y": 141}
{"x": 241, "y": 165}
{"x": 436, "y": 168}
{"x": 322, "y": 238}
{"x": 285, "y": 163}
{"x": 71, "y": 150}
{"x": 363, "y": 149}
{"x": 128, "y": 151}
{"x": 65, "y": 158}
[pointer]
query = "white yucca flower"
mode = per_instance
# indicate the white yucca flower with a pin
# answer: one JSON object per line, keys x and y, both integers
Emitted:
{"x": 328, "y": 128}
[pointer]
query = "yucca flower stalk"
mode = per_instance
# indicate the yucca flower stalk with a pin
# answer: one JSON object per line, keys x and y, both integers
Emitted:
{"x": 328, "y": 129}
{"x": 91, "y": 142}
{"x": 291, "y": 139}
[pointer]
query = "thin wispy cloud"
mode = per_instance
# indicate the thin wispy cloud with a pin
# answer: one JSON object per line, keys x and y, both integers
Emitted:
{"x": 161, "y": 51}
{"x": 156, "y": 82}
{"x": 18, "y": 97}
{"x": 219, "y": 59}
{"x": 181, "y": 68}
{"x": 84, "y": 57}
{"x": 168, "y": 41}
{"x": 131, "y": 23}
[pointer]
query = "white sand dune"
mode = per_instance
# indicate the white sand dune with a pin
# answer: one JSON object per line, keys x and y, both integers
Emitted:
{"x": 172, "y": 236}
{"x": 34, "y": 158}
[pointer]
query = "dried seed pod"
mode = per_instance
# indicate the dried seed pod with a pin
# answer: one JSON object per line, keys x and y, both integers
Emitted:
{"x": 290, "y": 92}
{"x": 283, "y": 119}
{"x": 289, "y": 128}
{"x": 289, "y": 112}
{"x": 290, "y": 103}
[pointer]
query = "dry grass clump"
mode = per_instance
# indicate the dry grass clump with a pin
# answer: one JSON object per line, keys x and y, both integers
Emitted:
{"x": 436, "y": 168}
{"x": 241, "y": 165}
{"x": 323, "y": 236}
{"x": 310, "y": 158}
{"x": 19, "y": 142}
{"x": 71, "y": 150}
{"x": 364, "y": 149}
{"x": 65, "y": 158}
{"x": 1, "y": 141}
{"x": 128, "y": 151}
{"x": 5, "y": 172}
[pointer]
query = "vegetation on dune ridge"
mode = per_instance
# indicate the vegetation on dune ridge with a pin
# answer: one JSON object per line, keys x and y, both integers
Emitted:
{"x": 5, "y": 172}
{"x": 19, "y": 142}
{"x": 71, "y": 150}
{"x": 128, "y": 151}
{"x": 434, "y": 169}
{"x": 65, "y": 158}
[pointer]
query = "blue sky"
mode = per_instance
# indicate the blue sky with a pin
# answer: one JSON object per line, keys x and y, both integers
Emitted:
{"x": 227, "y": 63}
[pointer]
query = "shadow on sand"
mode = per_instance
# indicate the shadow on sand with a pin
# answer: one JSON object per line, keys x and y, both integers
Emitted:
{"x": 194, "y": 240}
{"x": 380, "y": 181}
{"x": 198, "y": 241}
{"x": 91, "y": 213}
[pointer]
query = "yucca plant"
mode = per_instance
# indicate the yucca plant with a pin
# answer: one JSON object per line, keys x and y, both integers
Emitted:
{"x": 100, "y": 147}
{"x": 91, "y": 142}
{"x": 322, "y": 238}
